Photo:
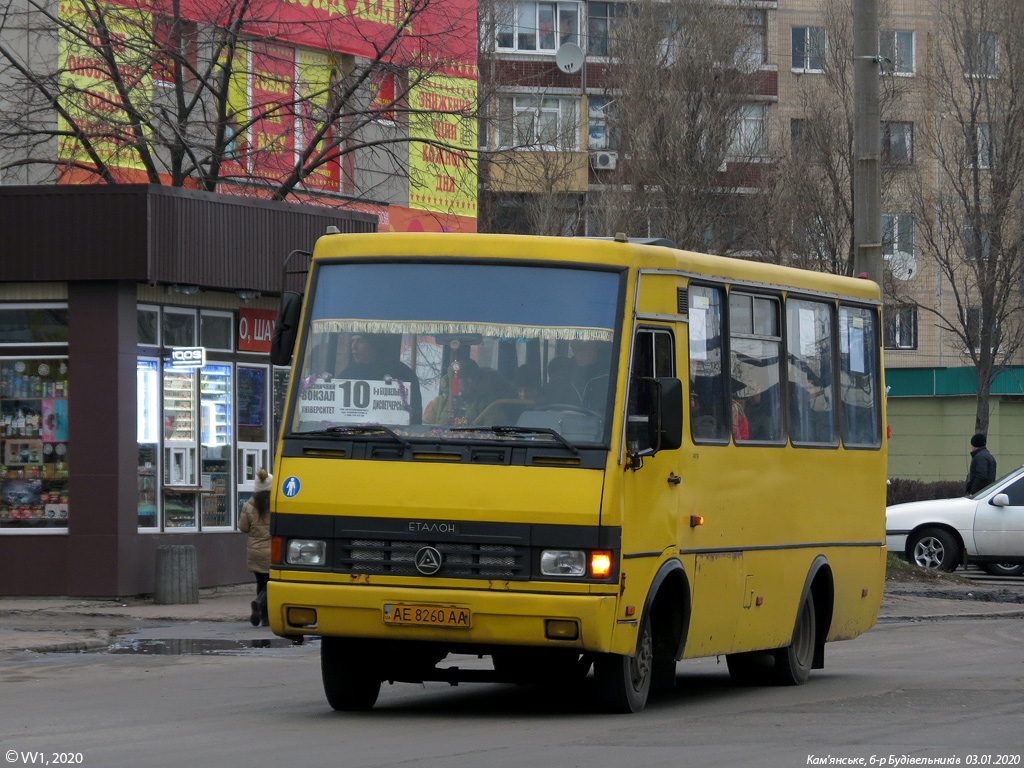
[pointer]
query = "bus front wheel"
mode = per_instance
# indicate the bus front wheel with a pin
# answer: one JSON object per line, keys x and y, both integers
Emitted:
{"x": 623, "y": 682}
{"x": 350, "y": 673}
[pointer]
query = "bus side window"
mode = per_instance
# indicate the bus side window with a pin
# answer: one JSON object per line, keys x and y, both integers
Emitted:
{"x": 858, "y": 375}
{"x": 756, "y": 366}
{"x": 809, "y": 350}
{"x": 707, "y": 378}
{"x": 653, "y": 356}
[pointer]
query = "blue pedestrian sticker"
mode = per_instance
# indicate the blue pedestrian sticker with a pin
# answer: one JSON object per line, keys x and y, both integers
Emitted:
{"x": 291, "y": 487}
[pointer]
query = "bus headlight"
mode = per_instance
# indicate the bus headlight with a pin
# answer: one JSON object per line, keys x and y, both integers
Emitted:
{"x": 306, "y": 552}
{"x": 563, "y": 562}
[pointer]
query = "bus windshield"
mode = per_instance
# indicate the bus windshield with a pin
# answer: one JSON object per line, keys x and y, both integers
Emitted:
{"x": 448, "y": 350}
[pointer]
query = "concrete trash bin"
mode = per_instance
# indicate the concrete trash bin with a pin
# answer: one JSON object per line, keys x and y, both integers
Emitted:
{"x": 177, "y": 575}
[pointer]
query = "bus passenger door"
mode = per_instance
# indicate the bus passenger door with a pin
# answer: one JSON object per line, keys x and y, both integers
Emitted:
{"x": 651, "y": 483}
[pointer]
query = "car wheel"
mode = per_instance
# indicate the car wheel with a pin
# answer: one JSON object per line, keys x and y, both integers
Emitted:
{"x": 934, "y": 548}
{"x": 1003, "y": 569}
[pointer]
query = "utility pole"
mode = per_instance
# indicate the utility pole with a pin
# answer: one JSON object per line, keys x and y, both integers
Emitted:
{"x": 867, "y": 178}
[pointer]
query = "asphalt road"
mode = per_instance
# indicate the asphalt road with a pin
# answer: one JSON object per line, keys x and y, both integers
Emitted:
{"x": 935, "y": 689}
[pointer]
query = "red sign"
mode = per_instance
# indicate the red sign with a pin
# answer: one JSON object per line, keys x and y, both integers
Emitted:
{"x": 255, "y": 329}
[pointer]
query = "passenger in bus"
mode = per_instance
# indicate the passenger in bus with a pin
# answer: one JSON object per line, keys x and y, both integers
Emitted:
{"x": 559, "y": 387}
{"x": 375, "y": 357}
{"x": 703, "y": 424}
{"x": 740, "y": 425}
{"x": 581, "y": 379}
{"x": 477, "y": 389}
{"x": 591, "y": 362}
{"x": 506, "y": 411}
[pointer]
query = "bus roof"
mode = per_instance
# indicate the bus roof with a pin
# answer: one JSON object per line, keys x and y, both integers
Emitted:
{"x": 607, "y": 252}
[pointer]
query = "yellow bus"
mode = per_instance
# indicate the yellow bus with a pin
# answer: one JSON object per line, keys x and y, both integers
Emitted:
{"x": 568, "y": 454}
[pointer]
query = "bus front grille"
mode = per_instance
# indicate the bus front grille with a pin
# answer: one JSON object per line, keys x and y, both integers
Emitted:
{"x": 465, "y": 559}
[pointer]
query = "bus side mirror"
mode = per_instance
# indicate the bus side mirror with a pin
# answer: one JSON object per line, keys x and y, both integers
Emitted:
{"x": 286, "y": 328}
{"x": 669, "y": 416}
{"x": 661, "y": 411}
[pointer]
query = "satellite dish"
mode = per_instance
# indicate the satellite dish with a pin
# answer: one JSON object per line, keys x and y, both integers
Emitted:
{"x": 903, "y": 265}
{"x": 569, "y": 58}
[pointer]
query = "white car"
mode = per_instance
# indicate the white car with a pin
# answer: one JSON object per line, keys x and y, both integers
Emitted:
{"x": 986, "y": 529}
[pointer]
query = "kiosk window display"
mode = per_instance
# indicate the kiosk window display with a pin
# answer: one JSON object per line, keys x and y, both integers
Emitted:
{"x": 34, "y": 443}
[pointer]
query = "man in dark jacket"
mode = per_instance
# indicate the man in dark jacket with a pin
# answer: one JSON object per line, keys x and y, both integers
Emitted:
{"x": 983, "y": 465}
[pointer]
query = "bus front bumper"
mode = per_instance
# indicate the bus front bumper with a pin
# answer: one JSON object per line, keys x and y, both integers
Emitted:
{"x": 481, "y": 617}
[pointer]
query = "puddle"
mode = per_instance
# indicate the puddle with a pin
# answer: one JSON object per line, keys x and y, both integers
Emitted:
{"x": 194, "y": 646}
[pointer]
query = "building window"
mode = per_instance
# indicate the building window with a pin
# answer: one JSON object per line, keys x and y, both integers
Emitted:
{"x": 978, "y": 242}
{"x": 34, "y": 444}
{"x": 542, "y": 27}
{"x": 176, "y": 45}
{"x": 35, "y": 324}
{"x": 897, "y": 234}
{"x": 538, "y": 122}
{"x": 179, "y": 327}
{"x": 982, "y": 149}
{"x": 602, "y": 22}
{"x": 973, "y": 330}
{"x": 897, "y": 143}
{"x": 897, "y": 50}
{"x": 981, "y": 53}
{"x": 808, "y": 49}
{"x": 148, "y": 326}
{"x": 216, "y": 330}
{"x": 754, "y": 51}
{"x": 900, "y": 323}
{"x": 750, "y": 137}
{"x": 599, "y": 134}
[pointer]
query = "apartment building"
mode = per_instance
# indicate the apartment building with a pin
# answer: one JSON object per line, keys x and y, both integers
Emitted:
{"x": 552, "y": 158}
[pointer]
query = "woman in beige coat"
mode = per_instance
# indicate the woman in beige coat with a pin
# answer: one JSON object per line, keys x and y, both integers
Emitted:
{"x": 255, "y": 520}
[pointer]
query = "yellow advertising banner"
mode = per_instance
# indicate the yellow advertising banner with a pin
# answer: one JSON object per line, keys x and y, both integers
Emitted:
{"x": 318, "y": 73}
{"x": 442, "y": 150}
{"x": 87, "y": 90}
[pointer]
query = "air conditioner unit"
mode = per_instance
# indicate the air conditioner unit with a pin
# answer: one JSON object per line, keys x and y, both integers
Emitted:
{"x": 604, "y": 161}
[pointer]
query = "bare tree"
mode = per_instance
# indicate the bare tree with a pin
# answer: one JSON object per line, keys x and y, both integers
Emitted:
{"x": 806, "y": 218}
{"x": 971, "y": 222}
{"x": 202, "y": 93}
{"x": 687, "y": 127}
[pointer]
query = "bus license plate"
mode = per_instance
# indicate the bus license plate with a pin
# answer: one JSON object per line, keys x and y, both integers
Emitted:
{"x": 426, "y": 615}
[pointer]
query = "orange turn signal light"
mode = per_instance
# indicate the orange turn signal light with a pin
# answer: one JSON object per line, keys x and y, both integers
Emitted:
{"x": 600, "y": 564}
{"x": 276, "y": 542}
{"x": 696, "y": 520}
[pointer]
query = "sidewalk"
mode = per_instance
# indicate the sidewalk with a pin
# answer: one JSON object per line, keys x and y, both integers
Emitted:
{"x": 56, "y": 624}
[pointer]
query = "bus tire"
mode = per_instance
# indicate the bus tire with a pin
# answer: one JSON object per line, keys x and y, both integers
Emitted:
{"x": 351, "y": 679}
{"x": 793, "y": 663}
{"x": 624, "y": 682}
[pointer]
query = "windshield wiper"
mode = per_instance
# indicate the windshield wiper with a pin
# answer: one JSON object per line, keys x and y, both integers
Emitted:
{"x": 513, "y": 430}
{"x": 359, "y": 429}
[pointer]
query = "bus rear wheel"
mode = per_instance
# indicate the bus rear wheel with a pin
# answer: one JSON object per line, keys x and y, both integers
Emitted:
{"x": 351, "y": 674}
{"x": 624, "y": 682}
{"x": 783, "y": 666}
{"x": 793, "y": 663}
